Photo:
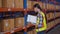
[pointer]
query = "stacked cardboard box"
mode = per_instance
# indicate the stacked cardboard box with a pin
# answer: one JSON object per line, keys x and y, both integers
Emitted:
{"x": 19, "y": 22}
{"x": 50, "y": 24}
{"x": 57, "y": 21}
{"x": 18, "y": 3}
{"x": 29, "y": 4}
{"x": 57, "y": 7}
{"x": 53, "y": 23}
{"x": 12, "y": 3}
{"x": 50, "y": 6}
{"x": 29, "y": 32}
{"x": 8, "y": 3}
{"x": 11, "y": 21}
{"x": 0, "y": 3}
{"x": 7, "y": 25}
{"x": 32, "y": 32}
{"x": 50, "y": 16}
{"x": 57, "y": 14}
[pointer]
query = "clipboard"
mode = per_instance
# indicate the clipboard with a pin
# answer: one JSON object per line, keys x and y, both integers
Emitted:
{"x": 32, "y": 19}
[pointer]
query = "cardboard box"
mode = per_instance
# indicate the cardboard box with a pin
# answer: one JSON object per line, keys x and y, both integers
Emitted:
{"x": 50, "y": 24}
{"x": 57, "y": 7}
{"x": 50, "y": 16}
{"x": 57, "y": 14}
{"x": 29, "y": 4}
{"x": 11, "y": 22}
{"x": 47, "y": 16}
{"x": 50, "y": 6}
{"x": 29, "y": 32}
{"x": 18, "y": 3}
{"x": 19, "y": 22}
{"x": 57, "y": 21}
{"x": 0, "y": 3}
{"x": 32, "y": 32}
{"x": 8, "y": 3}
{"x": 46, "y": 6}
{"x": 7, "y": 25}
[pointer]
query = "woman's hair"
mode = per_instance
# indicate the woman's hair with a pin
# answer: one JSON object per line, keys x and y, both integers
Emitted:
{"x": 38, "y": 6}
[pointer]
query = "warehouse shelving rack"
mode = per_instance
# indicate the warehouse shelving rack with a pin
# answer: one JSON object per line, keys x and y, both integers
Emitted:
{"x": 19, "y": 9}
{"x": 20, "y": 28}
{"x": 14, "y": 10}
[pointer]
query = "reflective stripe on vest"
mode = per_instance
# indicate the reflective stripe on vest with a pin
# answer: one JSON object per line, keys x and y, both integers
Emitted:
{"x": 44, "y": 23}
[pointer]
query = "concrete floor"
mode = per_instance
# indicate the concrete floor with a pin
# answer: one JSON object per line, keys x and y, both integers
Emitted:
{"x": 56, "y": 30}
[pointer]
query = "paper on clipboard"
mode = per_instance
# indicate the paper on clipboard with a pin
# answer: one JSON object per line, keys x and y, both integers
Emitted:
{"x": 32, "y": 19}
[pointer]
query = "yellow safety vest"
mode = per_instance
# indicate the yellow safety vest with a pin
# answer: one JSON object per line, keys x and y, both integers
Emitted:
{"x": 44, "y": 23}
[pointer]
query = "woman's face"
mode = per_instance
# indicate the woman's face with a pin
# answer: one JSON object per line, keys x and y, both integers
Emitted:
{"x": 36, "y": 9}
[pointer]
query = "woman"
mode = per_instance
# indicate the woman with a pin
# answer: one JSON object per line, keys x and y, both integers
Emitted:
{"x": 41, "y": 21}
